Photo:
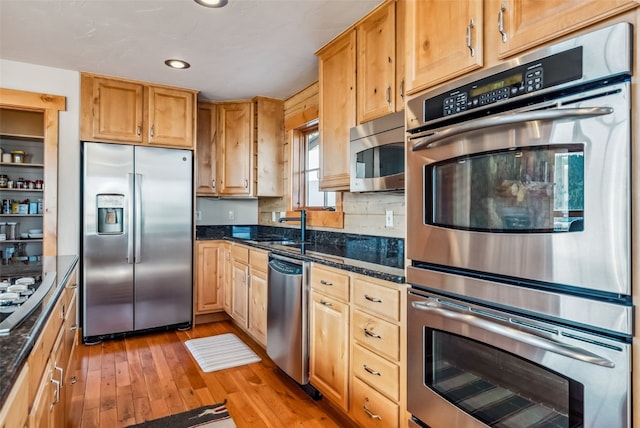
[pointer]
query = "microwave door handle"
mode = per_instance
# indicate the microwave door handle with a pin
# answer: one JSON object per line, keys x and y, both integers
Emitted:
{"x": 510, "y": 119}
{"x": 570, "y": 351}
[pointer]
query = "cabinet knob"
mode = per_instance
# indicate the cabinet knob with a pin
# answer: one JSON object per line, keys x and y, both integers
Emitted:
{"x": 139, "y": 130}
{"x": 213, "y": 183}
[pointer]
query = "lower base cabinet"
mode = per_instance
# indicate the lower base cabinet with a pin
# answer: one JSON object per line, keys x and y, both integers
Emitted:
{"x": 15, "y": 412}
{"x": 39, "y": 396}
{"x": 370, "y": 408}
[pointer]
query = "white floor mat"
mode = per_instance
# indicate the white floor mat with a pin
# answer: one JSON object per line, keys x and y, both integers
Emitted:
{"x": 220, "y": 352}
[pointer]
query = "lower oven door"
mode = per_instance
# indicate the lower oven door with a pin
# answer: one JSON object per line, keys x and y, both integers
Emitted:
{"x": 471, "y": 366}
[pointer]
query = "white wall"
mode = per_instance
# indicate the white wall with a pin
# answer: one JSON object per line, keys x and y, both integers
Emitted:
{"x": 55, "y": 81}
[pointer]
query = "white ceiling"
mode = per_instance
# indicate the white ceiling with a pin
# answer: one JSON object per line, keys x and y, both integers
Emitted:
{"x": 248, "y": 48}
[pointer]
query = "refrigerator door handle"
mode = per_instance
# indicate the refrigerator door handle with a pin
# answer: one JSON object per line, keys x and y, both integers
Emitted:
{"x": 138, "y": 225}
{"x": 130, "y": 218}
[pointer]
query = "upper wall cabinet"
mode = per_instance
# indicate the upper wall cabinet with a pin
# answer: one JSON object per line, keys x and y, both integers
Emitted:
{"x": 376, "y": 69}
{"x": 524, "y": 24}
{"x": 250, "y": 148}
{"x": 206, "y": 149}
{"x": 117, "y": 110}
{"x": 337, "y": 109}
{"x": 444, "y": 40}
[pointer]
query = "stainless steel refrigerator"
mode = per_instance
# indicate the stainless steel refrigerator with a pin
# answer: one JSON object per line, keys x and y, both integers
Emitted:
{"x": 137, "y": 239}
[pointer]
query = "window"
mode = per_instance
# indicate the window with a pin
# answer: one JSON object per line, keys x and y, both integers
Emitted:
{"x": 323, "y": 208}
{"x": 310, "y": 172}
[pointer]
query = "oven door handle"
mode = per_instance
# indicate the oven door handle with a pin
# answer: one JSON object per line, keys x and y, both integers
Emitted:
{"x": 567, "y": 350}
{"x": 508, "y": 119}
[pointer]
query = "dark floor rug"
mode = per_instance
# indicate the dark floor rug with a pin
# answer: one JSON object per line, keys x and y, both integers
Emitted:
{"x": 214, "y": 416}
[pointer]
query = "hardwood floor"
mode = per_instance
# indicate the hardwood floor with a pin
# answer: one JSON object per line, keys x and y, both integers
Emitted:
{"x": 127, "y": 381}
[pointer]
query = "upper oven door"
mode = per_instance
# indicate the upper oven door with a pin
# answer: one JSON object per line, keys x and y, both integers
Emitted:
{"x": 542, "y": 193}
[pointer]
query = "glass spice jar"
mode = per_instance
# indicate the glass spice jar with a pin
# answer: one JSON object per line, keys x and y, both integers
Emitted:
{"x": 4, "y": 180}
{"x": 39, "y": 184}
{"x": 20, "y": 183}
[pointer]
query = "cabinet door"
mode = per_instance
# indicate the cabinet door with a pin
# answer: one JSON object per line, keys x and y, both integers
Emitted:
{"x": 117, "y": 110}
{"x": 328, "y": 348}
{"x": 58, "y": 384}
{"x": 258, "y": 306}
{"x": 171, "y": 117}
{"x": 240, "y": 292}
{"x": 337, "y": 110}
{"x": 208, "y": 277}
{"x": 524, "y": 24}
{"x": 269, "y": 129}
{"x": 206, "y": 147}
{"x": 235, "y": 149}
{"x": 444, "y": 40}
{"x": 227, "y": 294}
{"x": 40, "y": 414}
{"x": 15, "y": 410}
{"x": 376, "y": 72}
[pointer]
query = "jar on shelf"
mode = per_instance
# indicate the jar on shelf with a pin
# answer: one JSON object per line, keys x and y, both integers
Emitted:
{"x": 17, "y": 156}
{"x": 39, "y": 184}
{"x": 20, "y": 183}
{"x": 12, "y": 230}
{"x": 7, "y": 158}
{"x": 4, "y": 181}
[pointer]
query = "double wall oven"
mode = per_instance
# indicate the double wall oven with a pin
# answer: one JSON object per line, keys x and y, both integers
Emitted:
{"x": 518, "y": 203}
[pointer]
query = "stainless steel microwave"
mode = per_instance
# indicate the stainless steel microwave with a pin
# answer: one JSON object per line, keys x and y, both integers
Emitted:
{"x": 377, "y": 154}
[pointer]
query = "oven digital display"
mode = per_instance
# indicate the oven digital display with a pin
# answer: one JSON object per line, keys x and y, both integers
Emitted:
{"x": 507, "y": 81}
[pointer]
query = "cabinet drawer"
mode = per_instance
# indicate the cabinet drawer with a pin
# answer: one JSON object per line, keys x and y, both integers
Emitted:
{"x": 379, "y": 373}
{"x": 371, "y": 409}
{"x": 258, "y": 259}
{"x": 377, "y": 298}
{"x": 376, "y": 334}
{"x": 240, "y": 253}
{"x": 332, "y": 282}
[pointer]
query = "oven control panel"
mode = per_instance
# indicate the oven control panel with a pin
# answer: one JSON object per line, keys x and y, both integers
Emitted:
{"x": 523, "y": 79}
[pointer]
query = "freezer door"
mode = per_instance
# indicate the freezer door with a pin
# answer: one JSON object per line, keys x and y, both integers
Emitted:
{"x": 164, "y": 237}
{"x": 107, "y": 241}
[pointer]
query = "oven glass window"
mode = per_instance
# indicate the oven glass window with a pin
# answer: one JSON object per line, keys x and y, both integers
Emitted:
{"x": 535, "y": 189}
{"x": 381, "y": 161}
{"x": 498, "y": 388}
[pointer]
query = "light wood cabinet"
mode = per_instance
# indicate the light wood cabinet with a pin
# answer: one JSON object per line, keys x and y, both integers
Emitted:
{"x": 525, "y": 24}
{"x": 337, "y": 109}
{"x": 378, "y": 348}
{"x": 376, "y": 67}
{"x": 227, "y": 293}
{"x": 209, "y": 276}
{"x": 250, "y": 147}
{"x": 444, "y": 40}
{"x": 49, "y": 380}
{"x": 329, "y": 334}
{"x": 15, "y": 411}
{"x": 29, "y": 122}
{"x": 235, "y": 162}
{"x": 206, "y": 149}
{"x": 118, "y": 110}
{"x": 258, "y": 297}
{"x": 240, "y": 285}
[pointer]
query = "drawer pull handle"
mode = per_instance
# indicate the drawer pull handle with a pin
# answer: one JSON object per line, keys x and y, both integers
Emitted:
{"x": 324, "y": 302}
{"x": 323, "y": 282}
{"x": 372, "y": 371}
{"x": 73, "y": 380}
{"x": 73, "y": 327}
{"x": 370, "y": 413}
{"x": 369, "y": 333}
{"x": 372, "y": 299}
{"x": 73, "y": 286}
{"x": 57, "y": 391}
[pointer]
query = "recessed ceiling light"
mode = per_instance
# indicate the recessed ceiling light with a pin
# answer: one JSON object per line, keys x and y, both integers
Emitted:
{"x": 177, "y": 63}
{"x": 212, "y": 3}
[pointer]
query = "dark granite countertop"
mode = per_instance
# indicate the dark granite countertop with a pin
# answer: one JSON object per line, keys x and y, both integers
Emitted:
{"x": 16, "y": 346}
{"x": 375, "y": 256}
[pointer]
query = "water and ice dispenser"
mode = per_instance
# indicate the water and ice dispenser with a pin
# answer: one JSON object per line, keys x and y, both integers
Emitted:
{"x": 110, "y": 214}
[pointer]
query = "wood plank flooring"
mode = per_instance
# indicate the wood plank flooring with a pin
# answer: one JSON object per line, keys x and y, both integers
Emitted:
{"x": 127, "y": 381}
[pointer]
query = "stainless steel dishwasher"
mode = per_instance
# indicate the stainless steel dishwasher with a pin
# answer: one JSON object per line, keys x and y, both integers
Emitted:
{"x": 288, "y": 318}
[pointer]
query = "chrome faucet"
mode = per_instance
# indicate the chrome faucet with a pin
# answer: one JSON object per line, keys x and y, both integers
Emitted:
{"x": 303, "y": 223}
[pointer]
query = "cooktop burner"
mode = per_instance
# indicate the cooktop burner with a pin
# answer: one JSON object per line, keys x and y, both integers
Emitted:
{"x": 14, "y": 293}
